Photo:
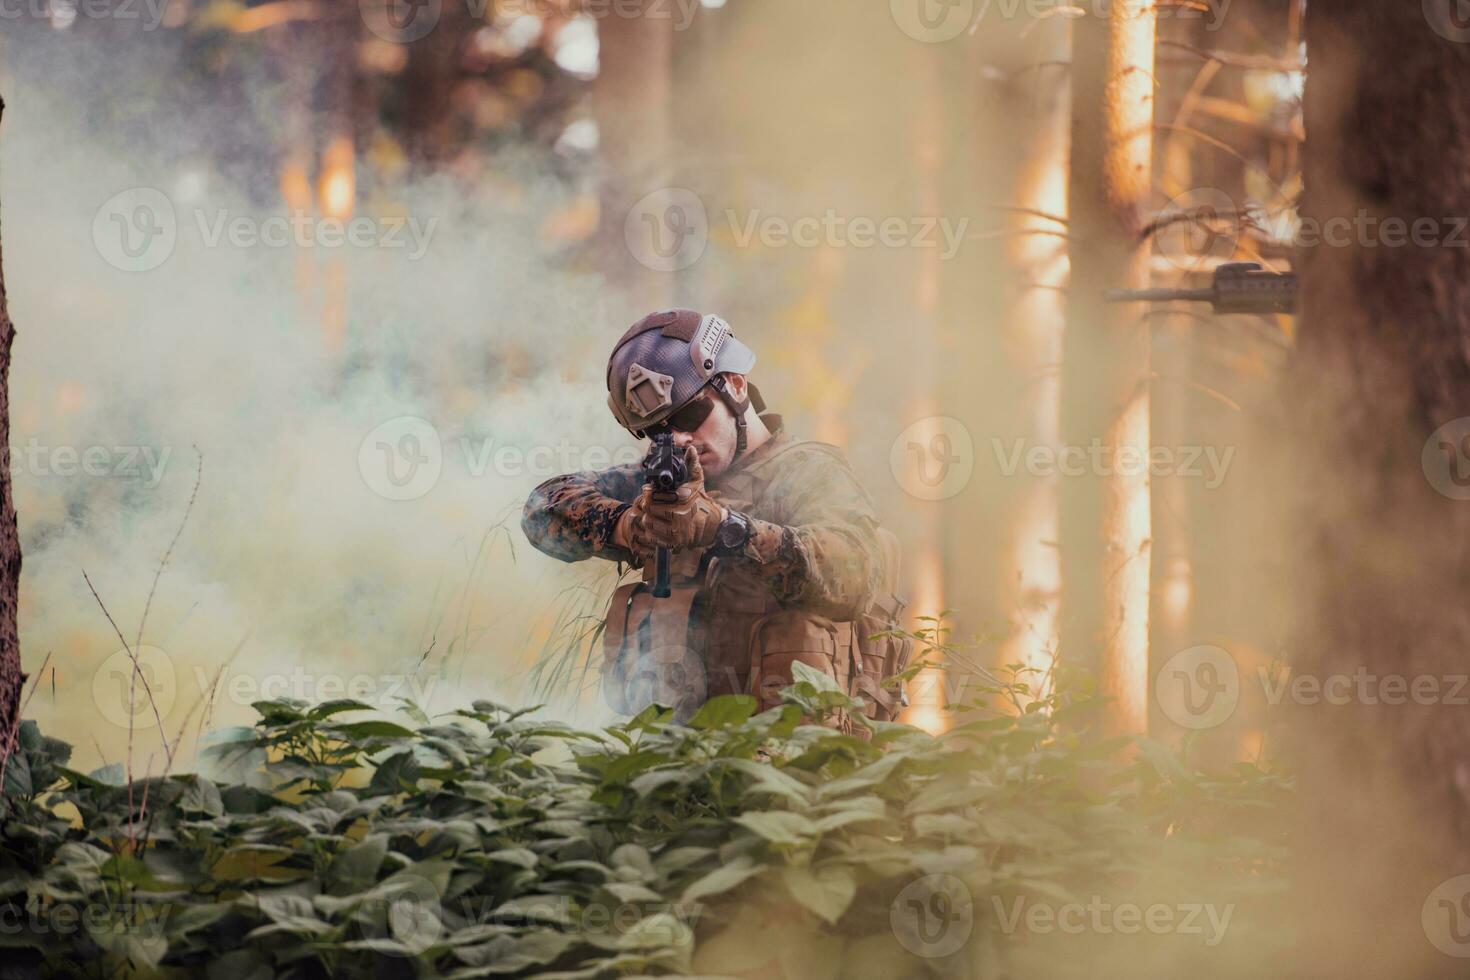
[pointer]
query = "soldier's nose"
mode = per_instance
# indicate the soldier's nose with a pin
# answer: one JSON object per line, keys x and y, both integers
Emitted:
{"x": 682, "y": 439}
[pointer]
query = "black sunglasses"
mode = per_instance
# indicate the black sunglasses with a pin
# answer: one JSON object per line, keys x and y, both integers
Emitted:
{"x": 687, "y": 419}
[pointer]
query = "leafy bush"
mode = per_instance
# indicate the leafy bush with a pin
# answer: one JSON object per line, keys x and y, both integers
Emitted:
{"x": 496, "y": 844}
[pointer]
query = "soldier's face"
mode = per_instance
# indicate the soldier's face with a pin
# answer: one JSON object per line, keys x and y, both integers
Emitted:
{"x": 714, "y": 439}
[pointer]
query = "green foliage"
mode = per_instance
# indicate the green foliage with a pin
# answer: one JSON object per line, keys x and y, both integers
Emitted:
{"x": 493, "y": 844}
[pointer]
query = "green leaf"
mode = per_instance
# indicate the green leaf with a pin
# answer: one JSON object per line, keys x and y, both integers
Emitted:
{"x": 373, "y": 729}
{"x": 18, "y": 775}
{"x": 724, "y": 711}
{"x": 827, "y": 891}
{"x": 334, "y": 707}
{"x": 779, "y": 826}
{"x": 399, "y": 773}
{"x": 722, "y": 879}
{"x": 200, "y": 796}
{"x": 805, "y": 673}
{"x": 356, "y": 868}
{"x": 519, "y": 856}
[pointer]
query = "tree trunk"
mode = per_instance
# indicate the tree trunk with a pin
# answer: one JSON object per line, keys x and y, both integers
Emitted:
{"x": 1032, "y": 332}
{"x": 1106, "y": 526}
{"x": 1383, "y": 365}
{"x": 633, "y": 99}
{"x": 12, "y": 679}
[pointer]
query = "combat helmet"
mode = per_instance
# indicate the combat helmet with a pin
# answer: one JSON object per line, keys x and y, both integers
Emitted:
{"x": 666, "y": 360}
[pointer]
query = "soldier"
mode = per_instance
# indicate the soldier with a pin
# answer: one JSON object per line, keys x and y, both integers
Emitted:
{"x": 778, "y": 555}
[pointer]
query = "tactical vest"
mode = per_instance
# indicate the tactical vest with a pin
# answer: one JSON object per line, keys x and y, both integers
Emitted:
{"x": 723, "y": 632}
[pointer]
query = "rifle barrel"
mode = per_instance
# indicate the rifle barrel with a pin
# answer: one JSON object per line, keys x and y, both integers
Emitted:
{"x": 1159, "y": 295}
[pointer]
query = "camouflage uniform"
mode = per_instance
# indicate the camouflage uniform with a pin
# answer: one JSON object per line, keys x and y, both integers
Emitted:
{"x": 814, "y": 548}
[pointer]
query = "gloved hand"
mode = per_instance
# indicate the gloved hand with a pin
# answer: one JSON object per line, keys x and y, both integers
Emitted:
{"x": 630, "y": 532}
{"x": 691, "y": 520}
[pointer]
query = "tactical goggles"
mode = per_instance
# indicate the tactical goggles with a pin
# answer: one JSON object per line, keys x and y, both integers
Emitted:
{"x": 687, "y": 419}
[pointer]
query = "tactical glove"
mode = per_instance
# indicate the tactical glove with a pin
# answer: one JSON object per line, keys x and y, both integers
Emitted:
{"x": 690, "y": 520}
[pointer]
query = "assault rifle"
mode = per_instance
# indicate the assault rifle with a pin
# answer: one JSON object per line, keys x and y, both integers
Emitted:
{"x": 664, "y": 471}
{"x": 1237, "y": 287}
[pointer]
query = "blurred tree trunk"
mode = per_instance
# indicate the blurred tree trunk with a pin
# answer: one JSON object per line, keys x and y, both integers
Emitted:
{"x": 1106, "y": 521}
{"x": 1383, "y": 364}
{"x": 633, "y": 101}
{"x": 1032, "y": 332}
{"x": 12, "y": 679}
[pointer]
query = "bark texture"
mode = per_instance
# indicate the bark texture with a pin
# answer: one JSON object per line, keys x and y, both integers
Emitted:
{"x": 1106, "y": 519}
{"x": 12, "y": 679}
{"x": 1384, "y": 363}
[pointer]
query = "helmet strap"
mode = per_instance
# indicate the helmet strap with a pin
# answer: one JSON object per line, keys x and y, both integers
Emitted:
{"x": 737, "y": 408}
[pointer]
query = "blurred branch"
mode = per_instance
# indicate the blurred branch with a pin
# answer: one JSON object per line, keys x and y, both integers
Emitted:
{"x": 1250, "y": 62}
{"x": 1019, "y": 210}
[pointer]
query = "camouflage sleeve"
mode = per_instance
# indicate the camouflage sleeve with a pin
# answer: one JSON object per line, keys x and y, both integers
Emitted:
{"x": 572, "y": 517}
{"x": 828, "y": 559}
